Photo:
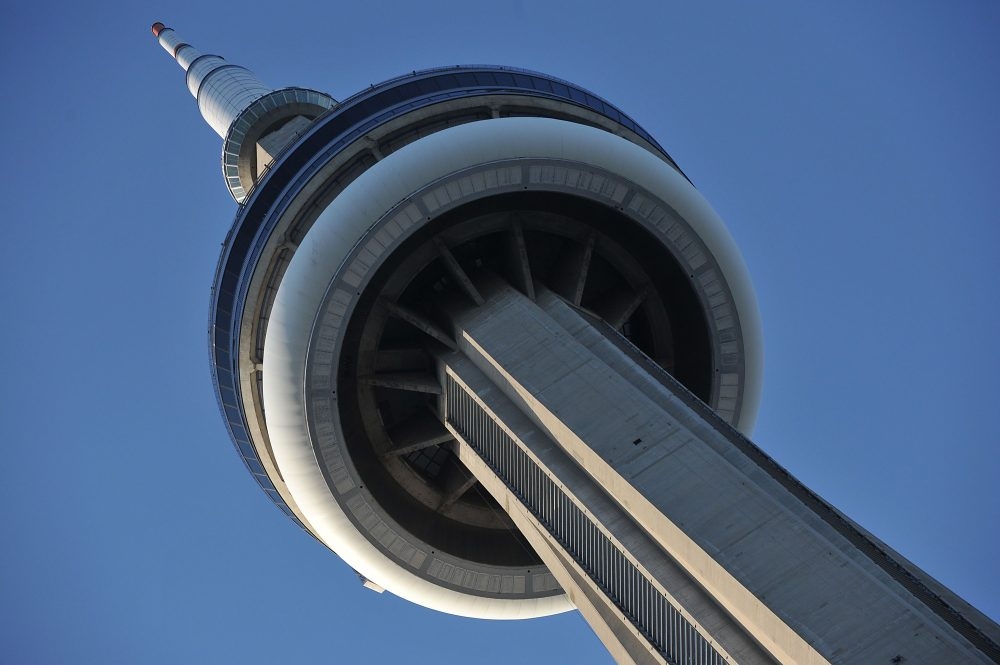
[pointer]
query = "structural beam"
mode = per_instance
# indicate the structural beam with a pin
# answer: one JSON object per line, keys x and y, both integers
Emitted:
{"x": 419, "y": 321}
{"x": 617, "y": 306}
{"x": 520, "y": 267}
{"x": 570, "y": 276}
{"x": 420, "y": 382}
{"x": 777, "y": 565}
{"x": 419, "y": 431}
{"x": 456, "y": 271}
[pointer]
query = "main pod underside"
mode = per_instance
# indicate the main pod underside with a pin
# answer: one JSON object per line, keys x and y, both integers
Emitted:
{"x": 327, "y": 308}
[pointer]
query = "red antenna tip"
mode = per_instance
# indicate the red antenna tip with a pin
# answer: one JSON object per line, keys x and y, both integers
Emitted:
{"x": 157, "y": 28}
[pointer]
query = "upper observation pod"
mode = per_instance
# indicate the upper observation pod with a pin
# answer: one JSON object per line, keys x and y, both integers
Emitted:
{"x": 341, "y": 285}
{"x": 255, "y": 121}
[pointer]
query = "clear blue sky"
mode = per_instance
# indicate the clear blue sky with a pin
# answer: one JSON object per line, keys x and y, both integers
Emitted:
{"x": 852, "y": 150}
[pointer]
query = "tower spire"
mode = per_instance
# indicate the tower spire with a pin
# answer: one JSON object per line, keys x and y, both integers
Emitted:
{"x": 222, "y": 89}
{"x": 255, "y": 121}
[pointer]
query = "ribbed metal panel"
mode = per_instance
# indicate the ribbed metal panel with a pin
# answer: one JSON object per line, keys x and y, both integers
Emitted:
{"x": 199, "y": 70}
{"x": 170, "y": 40}
{"x": 224, "y": 93}
{"x": 187, "y": 54}
{"x": 624, "y": 584}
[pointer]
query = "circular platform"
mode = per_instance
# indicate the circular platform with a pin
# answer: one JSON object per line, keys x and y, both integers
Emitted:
{"x": 329, "y": 301}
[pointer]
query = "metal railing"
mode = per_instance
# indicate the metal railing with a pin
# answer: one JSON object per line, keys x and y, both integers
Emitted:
{"x": 584, "y": 540}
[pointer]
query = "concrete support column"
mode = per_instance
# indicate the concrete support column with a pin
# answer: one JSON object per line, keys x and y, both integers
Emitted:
{"x": 793, "y": 575}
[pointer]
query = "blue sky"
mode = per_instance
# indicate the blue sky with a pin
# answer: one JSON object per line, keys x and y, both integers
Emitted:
{"x": 853, "y": 151}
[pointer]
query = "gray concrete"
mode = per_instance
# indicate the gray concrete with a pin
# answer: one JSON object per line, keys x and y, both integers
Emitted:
{"x": 614, "y": 629}
{"x": 274, "y": 142}
{"x": 797, "y": 585}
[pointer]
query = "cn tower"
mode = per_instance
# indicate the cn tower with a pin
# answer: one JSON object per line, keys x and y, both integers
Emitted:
{"x": 475, "y": 331}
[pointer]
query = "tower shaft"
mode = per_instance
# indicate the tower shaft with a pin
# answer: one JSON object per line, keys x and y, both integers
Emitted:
{"x": 677, "y": 539}
{"x": 421, "y": 339}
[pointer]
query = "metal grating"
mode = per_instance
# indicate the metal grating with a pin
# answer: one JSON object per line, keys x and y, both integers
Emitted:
{"x": 627, "y": 587}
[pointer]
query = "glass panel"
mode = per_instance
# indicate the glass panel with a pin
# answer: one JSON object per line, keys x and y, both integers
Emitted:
{"x": 523, "y": 81}
{"x": 228, "y": 396}
{"x": 428, "y": 86}
{"x": 239, "y": 434}
{"x": 504, "y": 78}
{"x": 448, "y": 81}
{"x": 541, "y": 84}
{"x": 484, "y": 79}
{"x": 560, "y": 89}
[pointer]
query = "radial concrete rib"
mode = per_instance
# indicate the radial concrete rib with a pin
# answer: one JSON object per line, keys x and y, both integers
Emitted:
{"x": 419, "y": 431}
{"x": 419, "y": 382}
{"x": 401, "y": 360}
{"x": 456, "y": 271}
{"x": 570, "y": 276}
{"x": 420, "y": 322}
{"x": 520, "y": 267}
{"x": 457, "y": 482}
{"x": 620, "y": 304}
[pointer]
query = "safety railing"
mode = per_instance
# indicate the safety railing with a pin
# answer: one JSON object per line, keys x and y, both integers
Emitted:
{"x": 586, "y": 542}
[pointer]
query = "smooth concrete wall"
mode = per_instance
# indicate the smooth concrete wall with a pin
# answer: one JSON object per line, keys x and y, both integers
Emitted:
{"x": 802, "y": 589}
{"x": 696, "y": 606}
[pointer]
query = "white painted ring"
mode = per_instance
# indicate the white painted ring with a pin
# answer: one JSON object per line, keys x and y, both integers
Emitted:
{"x": 342, "y": 224}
